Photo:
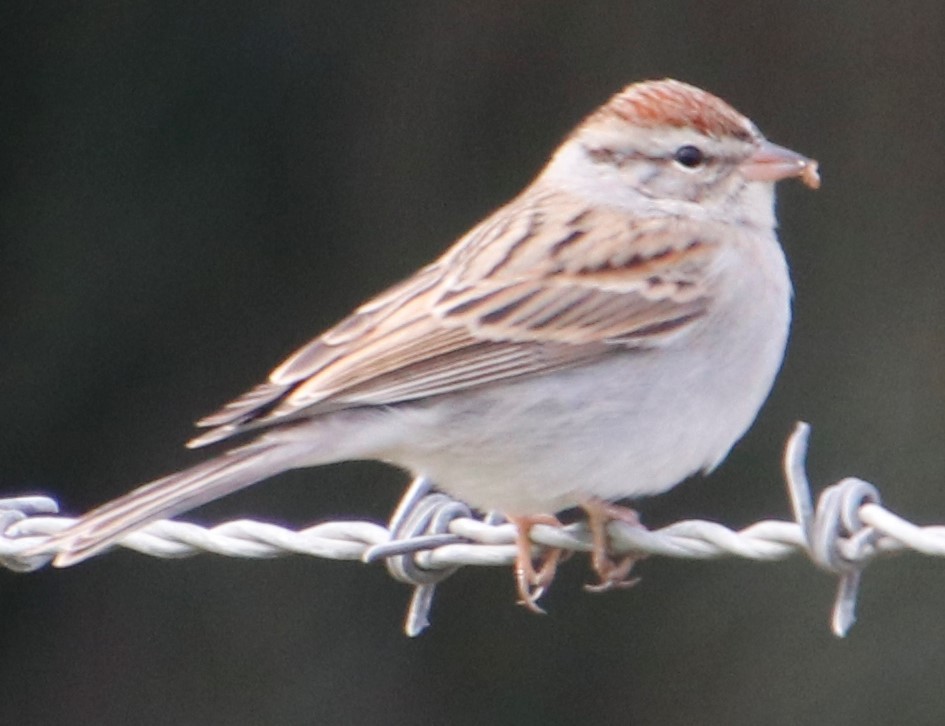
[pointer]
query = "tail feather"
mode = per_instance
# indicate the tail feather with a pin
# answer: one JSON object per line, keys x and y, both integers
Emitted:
{"x": 166, "y": 497}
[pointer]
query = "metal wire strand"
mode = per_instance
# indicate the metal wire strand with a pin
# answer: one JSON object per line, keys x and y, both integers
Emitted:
{"x": 431, "y": 535}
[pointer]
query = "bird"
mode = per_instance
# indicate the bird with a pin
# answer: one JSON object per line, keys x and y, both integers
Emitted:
{"x": 610, "y": 331}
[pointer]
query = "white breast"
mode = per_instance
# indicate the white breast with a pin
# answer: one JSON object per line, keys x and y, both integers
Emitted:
{"x": 631, "y": 424}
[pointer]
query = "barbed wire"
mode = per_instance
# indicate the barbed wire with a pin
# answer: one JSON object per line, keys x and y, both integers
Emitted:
{"x": 431, "y": 535}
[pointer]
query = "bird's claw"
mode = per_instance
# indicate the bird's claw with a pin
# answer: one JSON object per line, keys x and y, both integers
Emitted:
{"x": 530, "y": 582}
{"x": 612, "y": 575}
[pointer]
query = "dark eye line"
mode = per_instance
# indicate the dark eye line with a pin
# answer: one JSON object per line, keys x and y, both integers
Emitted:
{"x": 707, "y": 160}
{"x": 619, "y": 159}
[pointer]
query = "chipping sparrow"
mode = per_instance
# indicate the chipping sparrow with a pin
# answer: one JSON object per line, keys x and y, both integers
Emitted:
{"x": 610, "y": 331}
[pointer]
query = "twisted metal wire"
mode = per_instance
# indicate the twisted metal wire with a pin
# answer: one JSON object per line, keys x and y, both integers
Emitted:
{"x": 431, "y": 535}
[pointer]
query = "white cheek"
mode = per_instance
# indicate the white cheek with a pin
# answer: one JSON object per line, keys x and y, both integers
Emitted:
{"x": 605, "y": 184}
{"x": 571, "y": 169}
{"x": 666, "y": 181}
{"x": 630, "y": 187}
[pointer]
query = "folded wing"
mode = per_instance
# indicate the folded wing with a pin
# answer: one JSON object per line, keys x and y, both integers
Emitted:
{"x": 535, "y": 288}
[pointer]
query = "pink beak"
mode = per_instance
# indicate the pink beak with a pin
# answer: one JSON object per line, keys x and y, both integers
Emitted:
{"x": 773, "y": 163}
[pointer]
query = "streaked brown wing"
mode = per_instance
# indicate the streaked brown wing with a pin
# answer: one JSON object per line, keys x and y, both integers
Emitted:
{"x": 530, "y": 290}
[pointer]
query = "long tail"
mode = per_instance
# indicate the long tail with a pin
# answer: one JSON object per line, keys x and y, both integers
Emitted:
{"x": 168, "y": 496}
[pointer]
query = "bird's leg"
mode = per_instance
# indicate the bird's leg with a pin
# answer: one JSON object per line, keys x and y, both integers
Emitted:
{"x": 531, "y": 582}
{"x": 612, "y": 574}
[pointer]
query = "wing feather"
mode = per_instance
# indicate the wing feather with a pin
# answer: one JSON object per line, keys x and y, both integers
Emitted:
{"x": 550, "y": 289}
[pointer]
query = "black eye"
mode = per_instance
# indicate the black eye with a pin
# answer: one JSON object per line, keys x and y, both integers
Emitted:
{"x": 689, "y": 156}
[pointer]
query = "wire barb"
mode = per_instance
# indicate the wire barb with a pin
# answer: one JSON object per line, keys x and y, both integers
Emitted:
{"x": 431, "y": 535}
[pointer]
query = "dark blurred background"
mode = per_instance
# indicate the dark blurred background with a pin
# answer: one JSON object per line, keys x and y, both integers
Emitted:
{"x": 190, "y": 190}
